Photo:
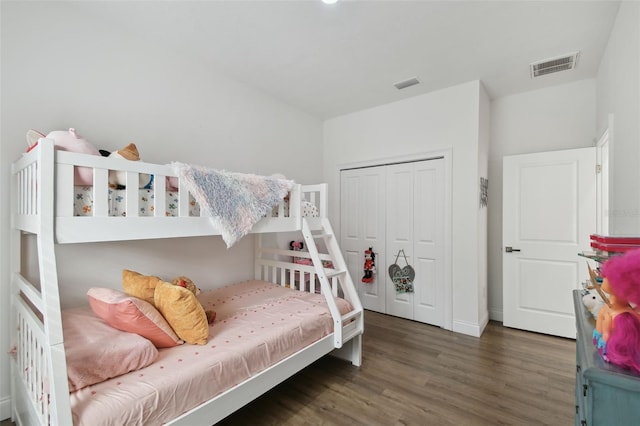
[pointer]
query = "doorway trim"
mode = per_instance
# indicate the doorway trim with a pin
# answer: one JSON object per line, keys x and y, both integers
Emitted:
{"x": 446, "y": 155}
{"x": 603, "y": 161}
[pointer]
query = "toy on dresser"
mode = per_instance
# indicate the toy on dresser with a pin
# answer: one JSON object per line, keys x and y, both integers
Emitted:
{"x": 617, "y": 332}
{"x": 592, "y": 301}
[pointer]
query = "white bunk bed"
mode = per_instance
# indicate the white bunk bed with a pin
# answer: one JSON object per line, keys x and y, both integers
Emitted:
{"x": 43, "y": 205}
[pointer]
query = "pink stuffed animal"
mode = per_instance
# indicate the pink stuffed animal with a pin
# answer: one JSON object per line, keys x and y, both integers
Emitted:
{"x": 68, "y": 140}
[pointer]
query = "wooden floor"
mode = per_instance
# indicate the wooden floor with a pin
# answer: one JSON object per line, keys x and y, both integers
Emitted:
{"x": 415, "y": 374}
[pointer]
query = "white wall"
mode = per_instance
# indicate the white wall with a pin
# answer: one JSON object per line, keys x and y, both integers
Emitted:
{"x": 560, "y": 117}
{"x": 60, "y": 69}
{"x": 618, "y": 91}
{"x": 445, "y": 119}
{"x": 484, "y": 142}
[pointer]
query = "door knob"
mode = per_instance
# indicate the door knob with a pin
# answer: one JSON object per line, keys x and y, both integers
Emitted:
{"x": 509, "y": 249}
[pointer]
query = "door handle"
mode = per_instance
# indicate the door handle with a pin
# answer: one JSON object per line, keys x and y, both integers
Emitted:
{"x": 509, "y": 249}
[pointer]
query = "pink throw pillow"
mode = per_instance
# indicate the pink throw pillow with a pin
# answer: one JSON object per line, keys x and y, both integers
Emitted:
{"x": 96, "y": 351}
{"x": 128, "y": 313}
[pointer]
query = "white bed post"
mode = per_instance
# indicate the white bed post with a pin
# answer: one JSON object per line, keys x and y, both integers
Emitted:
{"x": 257, "y": 255}
{"x": 58, "y": 385}
{"x": 14, "y": 266}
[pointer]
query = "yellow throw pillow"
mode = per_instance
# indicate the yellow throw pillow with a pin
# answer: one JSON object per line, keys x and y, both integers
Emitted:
{"x": 138, "y": 285}
{"x": 183, "y": 312}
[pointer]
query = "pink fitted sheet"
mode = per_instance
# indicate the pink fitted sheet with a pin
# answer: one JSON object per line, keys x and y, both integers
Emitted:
{"x": 257, "y": 325}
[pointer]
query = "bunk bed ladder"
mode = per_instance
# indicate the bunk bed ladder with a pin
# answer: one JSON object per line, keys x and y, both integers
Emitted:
{"x": 328, "y": 277}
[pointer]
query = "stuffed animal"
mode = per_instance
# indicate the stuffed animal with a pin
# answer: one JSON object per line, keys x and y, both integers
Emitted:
{"x": 68, "y": 140}
{"x": 117, "y": 178}
{"x": 369, "y": 265}
{"x": 141, "y": 286}
{"x": 176, "y": 302}
{"x": 617, "y": 332}
{"x": 592, "y": 301}
{"x": 298, "y": 246}
{"x": 189, "y": 285}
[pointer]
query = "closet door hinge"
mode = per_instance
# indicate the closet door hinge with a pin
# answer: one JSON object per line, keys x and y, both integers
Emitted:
{"x": 598, "y": 168}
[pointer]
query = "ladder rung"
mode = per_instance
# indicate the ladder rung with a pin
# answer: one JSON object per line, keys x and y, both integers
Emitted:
{"x": 348, "y": 336}
{"x": 334, "y": 272}
{"x": 323, "y": 235}
{"x": 349, "y": 315}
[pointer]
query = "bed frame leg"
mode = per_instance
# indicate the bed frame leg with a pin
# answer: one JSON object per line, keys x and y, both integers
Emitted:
{"x": 351, "y": 351}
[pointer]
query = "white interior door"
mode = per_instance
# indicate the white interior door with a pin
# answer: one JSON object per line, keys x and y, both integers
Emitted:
{"x": 549, "y": 211}
{"x": 363, "y": 217}
{"x": 400, "y": 199}
{"x": 428, "y": 241}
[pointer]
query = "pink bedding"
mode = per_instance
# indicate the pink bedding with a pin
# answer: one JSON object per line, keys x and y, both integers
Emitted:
{"x": 257, "y": 325}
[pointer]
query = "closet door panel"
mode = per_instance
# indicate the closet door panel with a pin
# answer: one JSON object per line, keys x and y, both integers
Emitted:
{"x": 428, "y": 241}
{"x": 399, "y": 234}
{"x": 425, "y": 286}
{"x": 363, "y": 226}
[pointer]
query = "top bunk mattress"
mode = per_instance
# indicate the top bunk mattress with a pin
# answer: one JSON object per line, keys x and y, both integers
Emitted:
{"x": 257, "y": 325}
{"x": 117, "y": 206}
{"x": 83, "y": 202}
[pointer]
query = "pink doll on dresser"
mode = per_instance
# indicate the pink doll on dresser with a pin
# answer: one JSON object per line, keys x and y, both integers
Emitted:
{"x": 617, "y": 332}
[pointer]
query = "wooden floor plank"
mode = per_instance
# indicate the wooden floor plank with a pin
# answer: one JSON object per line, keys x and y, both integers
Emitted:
{"x": 416, "y": 374}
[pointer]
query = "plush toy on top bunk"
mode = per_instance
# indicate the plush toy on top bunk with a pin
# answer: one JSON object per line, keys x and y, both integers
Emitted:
{"x": 176, "y": 302}
{"x": 118, "y": 179}
{"x": 617, "y": 332}
{"x": 68, "y": 140}
{"x": 71, "y": 141}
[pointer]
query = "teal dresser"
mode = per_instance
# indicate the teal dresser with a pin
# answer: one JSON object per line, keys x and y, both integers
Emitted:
{"x": 605, "y": 394}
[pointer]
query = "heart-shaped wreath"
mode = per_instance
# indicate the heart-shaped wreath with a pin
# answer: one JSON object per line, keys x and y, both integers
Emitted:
{"x": 402, "y": 277}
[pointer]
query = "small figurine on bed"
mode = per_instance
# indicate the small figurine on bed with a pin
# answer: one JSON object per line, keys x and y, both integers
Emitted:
{"x": 617, "y": 332}
{"x": 117, "y": 179}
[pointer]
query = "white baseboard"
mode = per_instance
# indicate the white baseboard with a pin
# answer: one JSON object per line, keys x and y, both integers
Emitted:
{"x": 495, "y": 314}
{"x": 5, "y": 408}
{"x": 470, "y": 329}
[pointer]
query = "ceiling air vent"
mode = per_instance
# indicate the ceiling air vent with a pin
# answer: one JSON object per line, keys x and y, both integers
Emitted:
{"x": 549, "y": 66}
{"x": 407, "y": 83}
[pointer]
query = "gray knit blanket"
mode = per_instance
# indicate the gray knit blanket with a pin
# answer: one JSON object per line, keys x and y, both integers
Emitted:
{"x": 236, "y": 201}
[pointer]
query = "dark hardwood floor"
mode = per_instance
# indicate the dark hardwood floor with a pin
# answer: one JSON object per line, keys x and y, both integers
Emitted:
{"x": 415, "y": 374}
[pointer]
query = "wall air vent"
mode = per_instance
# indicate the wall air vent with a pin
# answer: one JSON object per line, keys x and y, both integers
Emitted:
{"x": 549, "y": 66}
{"x": 407, "y": 83}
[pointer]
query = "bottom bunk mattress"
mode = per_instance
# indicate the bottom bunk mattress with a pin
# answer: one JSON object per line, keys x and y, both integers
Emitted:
{"x": 257, "y": 325}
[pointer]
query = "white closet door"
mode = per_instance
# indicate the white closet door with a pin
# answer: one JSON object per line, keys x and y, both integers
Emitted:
{"x": 400, "y": 214}
{"x": 362, "y": 225}
{"x": 428, "y": 241}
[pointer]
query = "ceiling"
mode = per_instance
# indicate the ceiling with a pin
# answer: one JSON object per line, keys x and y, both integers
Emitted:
{"x": 329, "y": 60}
